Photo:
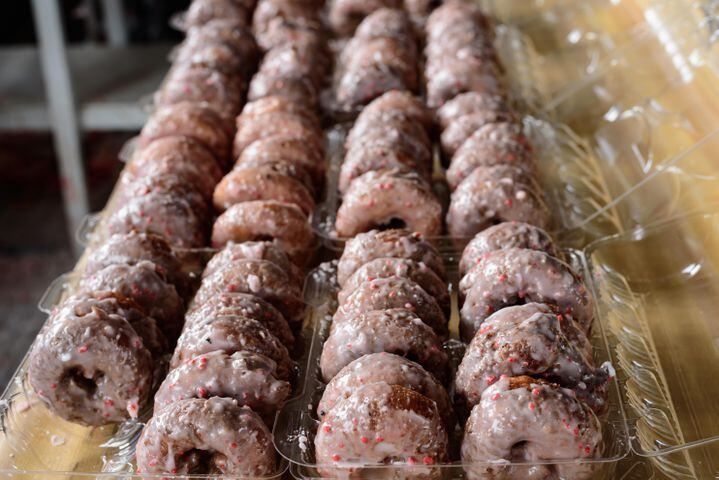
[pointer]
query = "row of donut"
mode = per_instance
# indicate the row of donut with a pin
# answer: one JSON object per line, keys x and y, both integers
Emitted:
{"x": 385, "y": 402}
{"x": 102, "y": 350}
{"x": 529, "y": 361}
{"x": 231, "y": 370}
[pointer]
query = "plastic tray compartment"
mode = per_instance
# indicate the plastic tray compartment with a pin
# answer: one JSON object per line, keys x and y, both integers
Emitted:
{"x": 296, "y": 425}
{"x": 658, "y": 289}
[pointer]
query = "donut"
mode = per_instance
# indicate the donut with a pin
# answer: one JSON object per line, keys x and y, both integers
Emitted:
{"x": 277, "y": 104}
{"x": 134, "y": 247}
{"x": 242, "y": 305}
{"x": 282, "y": 124}
{"x": 386, "y": 197}
{"x": 463, "y": 127}
{"x": 525, "y": 418}
{"x": 300, "y": 90}
{"x": 261, "y": 278}
{"x": 142, "y": 284}
{"x": 386, "y": 22}
{"x": 453, "y": 13}
{"x": 291, "y": 150}
{"x": 222, "y": 45}
{"x": 210, "y": 436}
{"x": 491, "y": 195}
{"x": 232, "y": 334}
{"x": 403, "y": 102}
{"x": 503, "y": 236}
{"x": 280, "y": 31}
{"x": 469, "y": 103}
{"x": 280, "y": 167}
{"x": 391, "y": 54}
{"x": 170, "y": 217}
{"x": 536, "y": 341}
{"x": 283, "y": 223}
{"x": 202, "y": 12}
{"x": 262, "y": 182}
{"x": 346, "y": 15}
{"x": 180, "y": 156}
{"x": 247, "y": 377}
{"x": 501, "y": 143}
{"x": 386, "y": 121}
{"x": 393, "y": 370}
{"x": 89, "y": 366}
{"x": 393, "y": 292}
{"x": 296, "y": 59}
{"x": 516, "y": 276}
{"x": 192, "y": 120}
{"x": 214, "y": 56}
{"x": 394, "y": 139}
{"x": 195, "y": 83}
{"x": 367, "y": 157}
{"x": 417, "y": 272}
{"x": 393, "y": 243}
{"x": 129, "y": 186}
{"x": 393, "y": 330}
{"x": 273, "y": 18}
{"x": 269, "y": 251}
{"x": 381, "y": 425}
{"x": 356, "y": 88}
{"x": 454, "y": 77}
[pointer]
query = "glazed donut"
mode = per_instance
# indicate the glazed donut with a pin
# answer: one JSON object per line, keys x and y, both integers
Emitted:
{"x": 493, "y": 144}
{"x": 389, "y": 123}
{"x": 211, "y": 436}
{"x": 273, "y": 19}
{"x": 143, "y": 285}
{"x": 213, "y": 56}
{"x": 393, "y": 138}
{"x": 300, "y": 90}
{"x": 463, "y": 127}
{"x": 269, "y": 251}
{"x": 382, "y": 197}
{"x": 192, "y": 120}
{"x": 356, "y": 88}
{"x": 296, "y": 59}
{"x": 536, "y": 341}
{"x": 468, "y": 103}
{"x": 502, "y": 236}
{"x": 455, "y": 13}
{"x": 89, "y": 366}
{"x": 134, "y": 247}
{"x": 280, "y": 167}
{"x": 392, "y": 53}
{"x": 170, "y": 217}
{"x": 280, "y": 31}
{"x": 490, "y": 195}
{"x": 277, "y": 104}
{"x": 202, "y": 12}
{"x": 231, "y": 334}
{"x": 291, "y": 150}
{"x": 242, "y": 305}
{"x": 403, "y": 102}
{"x": 199, "y": 84}
{"x": 454, "y": 77}
{"x": 261, "y": 278}
{"x": 261, "y": 183}
{"x": 283, "y": 223}
{"x": 346, "y": 15}
{"x": 417, "y": 272}
{"x": 524, "y": 418}
{"x": 129, "y": 187}
{"x": 278, "y": 124}
{"x": 516, "y": 276}
{"x": 393, "y": 292}
{"x": 382, "y": 425}
{"x": 393, "y": 243}
{"x": 367, "y": 157}
{"x": 393, "y": 330}
{"x": 222, "y": 45}
{"x": 179, "y": 156}
{"x": 393, "y": 370}
{"x": 386, "y": 22}
{"x": 247, "y": 377}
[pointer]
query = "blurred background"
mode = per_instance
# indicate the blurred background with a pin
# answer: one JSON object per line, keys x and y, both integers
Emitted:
{"x": 69, "y": 99}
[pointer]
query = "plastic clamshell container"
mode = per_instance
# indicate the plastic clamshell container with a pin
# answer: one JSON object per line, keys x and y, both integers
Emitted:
{"x": 297, "y": 424}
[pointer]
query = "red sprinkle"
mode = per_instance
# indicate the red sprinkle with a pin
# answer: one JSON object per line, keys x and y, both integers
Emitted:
{"x": 379, "y": 439}
{"x": 502, "y": 277}
{"x": 535, "y": 392}
{"x": 201, "y": 392}
{"x": 587, "y": 450}
{"x": 327, "y": 429}
{"x": 491, "y": 379}
{"x": 428, "y": 460}
{"x": 532, "y": 406}
{"x": 108, "y": 402}
{"x": 411, "y": 460}
{"x": 336, "y": 457}
{"x": 495, "y": 396}
{"x": 364, "y": 439}
{"x": 53, "y": 386}
{"x": 82, "y": 349}
{"x": 233, "y": 445}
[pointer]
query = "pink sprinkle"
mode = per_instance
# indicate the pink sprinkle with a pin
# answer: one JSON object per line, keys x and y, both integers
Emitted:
{"x": 502, "y": 277}
{"x": 82, "y": 349}
{"x": 428, "y": 460}
{"x": 327, "y": 429}
{"x": 587, "y": 450}
{"x": 233, "y": 445}
{"x": 341, "y": 445}
{"x": 511, "y": 359}
{"x": 576, "y": 431}
{"x": 535, "y": 392}
{"x": 364, "y": 439}
{"x": 108, "y": 402}
{"x": 495, "y": 397}
{"x": 336, "y": 457}
{"x": 53, "y": 386}
{"x": 379, "y": 439}
{"x": 411, "y": 460}
{"x": 201, "y": 392}
{"x": 532, "y": 406}
{"x": 491, "y": 379}
{"x": 392, "y": 294}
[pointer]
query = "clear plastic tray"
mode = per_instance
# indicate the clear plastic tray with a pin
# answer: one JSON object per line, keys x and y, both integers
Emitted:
{"x": 297, "y": 423}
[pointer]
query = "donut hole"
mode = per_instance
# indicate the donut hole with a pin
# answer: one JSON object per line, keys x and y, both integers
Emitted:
{"x": 263, "y": 238}
{"x": 518, "y": 452}
{"x": 198, "y": 461}
{"x": 391, "y": 224}
{"x": 76, "y": 377}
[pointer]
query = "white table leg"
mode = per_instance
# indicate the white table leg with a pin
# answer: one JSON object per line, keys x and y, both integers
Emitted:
{"x": 114, "y": 20}
{"x": 63, "y": 113}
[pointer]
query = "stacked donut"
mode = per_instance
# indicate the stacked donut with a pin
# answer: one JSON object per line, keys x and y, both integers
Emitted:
{"x": 384, "y": 359}
{"x": 528, "y": 374}
{"x": 386, "y": 174}
{"x": 346, "y": 15}
{"x": 231, "y": 369}
{"x": 100, "y": 353}
{"x": 492, "y": 170}
{"x": 382, "y": 56}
